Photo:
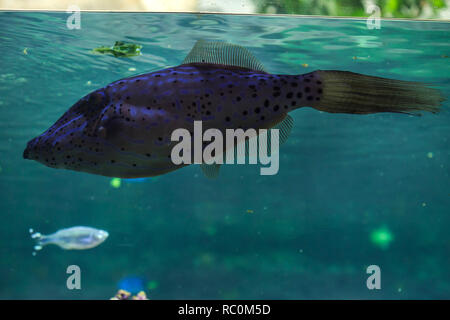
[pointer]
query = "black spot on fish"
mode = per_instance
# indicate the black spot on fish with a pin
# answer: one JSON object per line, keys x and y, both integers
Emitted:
{"x": 254, "y": 95}
{"x": 227, "y": 119}
{"x": 262, "y": 117}
{"x": 266, "y": 103}
{"x": 319, "y": 91}
{"x": 245, "y": 112}
{"x": 289, "y": 95}
{"x": 307, "y": 89}
{"x": 294, "y": 84}
{"x": 276, "y": 94}
{"x": 257, "y": 110}
{"x": 310, "y": 98}
{"x": 299, "y": 95}
{"x": 276, "y": 107}
{"x": 238, "y": 98}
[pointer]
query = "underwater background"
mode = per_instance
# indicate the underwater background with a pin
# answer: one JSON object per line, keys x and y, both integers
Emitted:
{"x": 352, "y": 190}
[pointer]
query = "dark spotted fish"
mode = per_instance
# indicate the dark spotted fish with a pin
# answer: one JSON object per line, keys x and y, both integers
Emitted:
{"x": 124, "y": 129}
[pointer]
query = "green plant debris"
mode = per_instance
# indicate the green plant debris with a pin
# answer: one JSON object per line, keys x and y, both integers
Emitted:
{"x": 121, "y": 49}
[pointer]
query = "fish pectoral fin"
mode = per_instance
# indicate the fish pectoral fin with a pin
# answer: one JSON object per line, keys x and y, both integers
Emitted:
{"x": 217, "y": 52}
{"x": 210, "y": 170}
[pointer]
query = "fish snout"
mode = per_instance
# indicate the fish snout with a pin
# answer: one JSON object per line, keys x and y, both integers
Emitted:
{"x": 34, "y": 148}
{"x": 28, "y": 152}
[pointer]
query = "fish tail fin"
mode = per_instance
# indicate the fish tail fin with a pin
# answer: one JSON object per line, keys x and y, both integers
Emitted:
{"x": 41, "y": 240}
{"x": 348, "y": 92}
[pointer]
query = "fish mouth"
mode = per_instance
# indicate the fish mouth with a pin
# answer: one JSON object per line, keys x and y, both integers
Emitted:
{"x": 26, "y": 154}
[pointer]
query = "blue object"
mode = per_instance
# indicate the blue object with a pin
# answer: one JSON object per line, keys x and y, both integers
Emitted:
{"x": 132, "y": 284}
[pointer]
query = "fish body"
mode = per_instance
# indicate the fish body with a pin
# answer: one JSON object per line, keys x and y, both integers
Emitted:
{"x": 74, "y": 238}
{"x": 129, "y": 134}
{"x": 124, "y": 129}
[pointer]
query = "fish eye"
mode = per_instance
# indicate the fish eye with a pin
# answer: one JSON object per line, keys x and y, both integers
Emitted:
{"x": 102, "y": 234}
{"x": 101, "y": 132}
{"x": 109, "y": 128}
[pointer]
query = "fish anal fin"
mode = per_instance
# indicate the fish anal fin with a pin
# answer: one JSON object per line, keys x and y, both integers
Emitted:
{"x": 283, "y": 124}
{"x": 222, "y": 53}
{"x": 285, "y": 127}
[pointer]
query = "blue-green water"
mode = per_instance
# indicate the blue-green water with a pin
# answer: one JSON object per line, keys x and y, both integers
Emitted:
{"x": 304, "y": 233}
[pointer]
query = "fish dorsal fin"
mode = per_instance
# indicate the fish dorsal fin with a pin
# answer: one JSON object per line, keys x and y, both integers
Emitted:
{"x": 216, "y": 52}
{"x": 210, "y": 170}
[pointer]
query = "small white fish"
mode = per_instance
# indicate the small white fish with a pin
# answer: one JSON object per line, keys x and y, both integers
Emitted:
{"x": 75, "y": 238}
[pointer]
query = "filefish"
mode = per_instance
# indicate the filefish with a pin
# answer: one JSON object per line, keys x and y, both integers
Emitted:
{"x": 74, "y": 238}
{"x": 124, "y": 129}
